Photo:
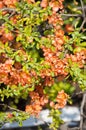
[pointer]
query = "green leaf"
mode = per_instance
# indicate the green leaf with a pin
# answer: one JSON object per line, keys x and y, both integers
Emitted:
{"x": 18, "y": 58}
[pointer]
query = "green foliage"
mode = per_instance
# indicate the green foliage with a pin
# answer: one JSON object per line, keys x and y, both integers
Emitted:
{"x": 55, "y": 114}
{"x": 53, "y": 90}
{"x": 16, "y": 116}
{"x": 78, "y": 75}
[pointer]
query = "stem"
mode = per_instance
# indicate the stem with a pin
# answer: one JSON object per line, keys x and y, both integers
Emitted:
{"x": 82, "y": 6}
{"x": 81, "y": 112}
{"x": 71, "y": 15}
{"x": 8, "y": 9}
{"x": 79, "y": 93}
{"x": 82, "y": 25}
{"x": 11, "y": 108}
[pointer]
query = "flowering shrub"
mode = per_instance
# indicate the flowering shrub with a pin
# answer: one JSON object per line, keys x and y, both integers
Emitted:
{"x": 42, "y": 59}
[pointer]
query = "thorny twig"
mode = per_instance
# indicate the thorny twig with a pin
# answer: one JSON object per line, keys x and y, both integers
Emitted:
{"x": 84, "y": 116}
{"x": 8, "y": 9}
{"x": 84, "y": 16}
{"x": 76, "y": 94}
{"x": 82, "y": 6}
{"x": 11, "y": 108}
{"x": 13, "y": 11}
{"x": 71, "y": 15}
{"x": 84, "y": 21}
{"x": 81, "y": 112}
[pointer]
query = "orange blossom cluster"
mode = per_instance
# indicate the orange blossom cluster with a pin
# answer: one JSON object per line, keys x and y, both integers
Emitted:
{"x": 38, "y": 101}
{"x": 61, "y": 100}
{"x": 9, "y": 75}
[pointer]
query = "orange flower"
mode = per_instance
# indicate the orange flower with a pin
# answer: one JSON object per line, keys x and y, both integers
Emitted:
{"x": 62, "y": 95}
{"x": 28, "y": 109}
{"x": 69, "y": 28}
{"x": 44, "y": 3}
{"x": 30, "y": 1}
{"x": 9, "y": 115}
{"x": 61, "y": 99}
{"x": 33, "y": 109}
